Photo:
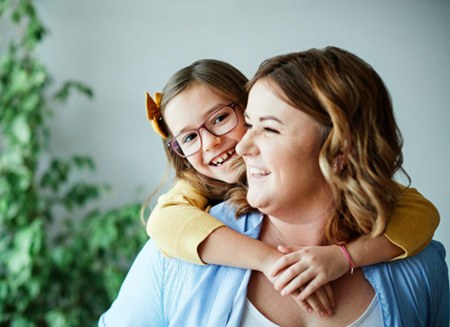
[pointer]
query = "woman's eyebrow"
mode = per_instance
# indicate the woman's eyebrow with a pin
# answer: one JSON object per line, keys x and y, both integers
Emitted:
{"x": 264, "y": 118}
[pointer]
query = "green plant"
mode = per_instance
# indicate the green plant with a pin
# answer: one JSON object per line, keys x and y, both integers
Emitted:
{"x": 48, "y": 278}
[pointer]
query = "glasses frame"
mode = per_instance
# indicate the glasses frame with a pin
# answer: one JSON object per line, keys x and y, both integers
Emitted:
{"x": 232, "y": 105}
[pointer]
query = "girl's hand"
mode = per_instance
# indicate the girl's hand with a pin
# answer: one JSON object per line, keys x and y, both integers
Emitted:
{"x": 307, "y": 269}
{"x": 320, "y": 301}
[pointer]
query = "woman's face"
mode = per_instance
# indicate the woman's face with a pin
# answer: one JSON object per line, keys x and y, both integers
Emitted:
{"x": 189, "y": 110}
{"x": 281, "y": 150}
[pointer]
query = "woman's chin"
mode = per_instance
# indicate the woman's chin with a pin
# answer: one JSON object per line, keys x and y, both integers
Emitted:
{"x": 257, "y": 202}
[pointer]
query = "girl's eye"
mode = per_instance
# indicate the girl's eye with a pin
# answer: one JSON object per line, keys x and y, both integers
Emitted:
{"x": 189, "y": 138}
{"x": 220, "y": 118}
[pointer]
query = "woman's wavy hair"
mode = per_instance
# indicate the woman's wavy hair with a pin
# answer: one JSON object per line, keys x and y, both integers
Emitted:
{"x": 362, "y": 147}
{"x": 222, "y": 78}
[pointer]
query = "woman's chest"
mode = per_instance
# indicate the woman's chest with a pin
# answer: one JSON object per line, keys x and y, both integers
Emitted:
{"x": 353, "y": 294}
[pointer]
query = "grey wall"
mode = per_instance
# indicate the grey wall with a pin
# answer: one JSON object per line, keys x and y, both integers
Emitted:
{"x": 123, "y": 48}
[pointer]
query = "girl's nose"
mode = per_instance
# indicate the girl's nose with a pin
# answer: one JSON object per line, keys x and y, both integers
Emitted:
{"x": 209, "y": 140}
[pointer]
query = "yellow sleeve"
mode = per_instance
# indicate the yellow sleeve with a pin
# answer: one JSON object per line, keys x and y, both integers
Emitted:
{"x": 412, "y": 223}
{"x": 180, "y": 223}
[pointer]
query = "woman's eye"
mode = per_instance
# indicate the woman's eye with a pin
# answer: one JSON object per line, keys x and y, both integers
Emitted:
{"x": 270, "y": 130}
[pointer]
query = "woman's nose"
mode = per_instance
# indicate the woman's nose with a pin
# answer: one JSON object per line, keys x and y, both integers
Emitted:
{"x": 209, "y": 140}
{"x": 243, "y": 148}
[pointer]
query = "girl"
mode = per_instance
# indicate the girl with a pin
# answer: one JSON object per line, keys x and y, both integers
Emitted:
{"x": 200, "y": 118}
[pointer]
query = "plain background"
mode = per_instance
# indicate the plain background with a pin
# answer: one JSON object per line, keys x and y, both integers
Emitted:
{"x": 124, "y": 48}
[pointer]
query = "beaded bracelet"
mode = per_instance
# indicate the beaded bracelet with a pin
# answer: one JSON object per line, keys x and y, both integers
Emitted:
{"x": 347, "y": 256}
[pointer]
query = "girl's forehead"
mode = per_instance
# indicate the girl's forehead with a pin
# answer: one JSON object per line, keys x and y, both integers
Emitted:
{"x": 190, "y": 108}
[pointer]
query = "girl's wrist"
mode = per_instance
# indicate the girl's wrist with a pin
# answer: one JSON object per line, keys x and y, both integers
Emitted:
{"x": 347, "y": 256}
{"x": 268, "y": 260}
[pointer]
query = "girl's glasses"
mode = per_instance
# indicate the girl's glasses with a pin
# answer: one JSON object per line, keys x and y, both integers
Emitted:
{"x": 219, "y": 122}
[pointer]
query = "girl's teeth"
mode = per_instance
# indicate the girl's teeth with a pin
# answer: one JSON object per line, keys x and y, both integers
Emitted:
{"x": 220, "y": 160}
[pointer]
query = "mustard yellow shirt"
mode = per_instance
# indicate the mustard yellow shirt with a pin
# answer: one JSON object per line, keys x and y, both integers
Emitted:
{"x": 180, "y": 222}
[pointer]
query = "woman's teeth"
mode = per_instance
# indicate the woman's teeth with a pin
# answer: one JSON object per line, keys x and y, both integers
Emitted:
{"x": 223, "y": 157}
{"x": 257, "y": 171}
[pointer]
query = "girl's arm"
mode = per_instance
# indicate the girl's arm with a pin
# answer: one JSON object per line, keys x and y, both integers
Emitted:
{"x": 409, "y": 230}
{"x": 180, "y": 222}
{"x": 181, "y": 228}
{"x": 412, "y": 224}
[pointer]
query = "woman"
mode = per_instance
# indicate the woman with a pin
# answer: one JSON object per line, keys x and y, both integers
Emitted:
{"x": 321, "y": 128}
{"x": 172, "y": 292}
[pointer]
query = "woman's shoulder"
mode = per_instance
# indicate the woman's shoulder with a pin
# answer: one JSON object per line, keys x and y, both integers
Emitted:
{"x": 429, "y": 262}
{"x": 245, "y": 224}
{"x": 415, "y": 288}
{"x": 431, "y": 259}
{"x": 424, "y": 274}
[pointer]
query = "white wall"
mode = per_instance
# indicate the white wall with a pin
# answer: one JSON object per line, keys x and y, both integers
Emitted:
{"x": 123, "y": 48}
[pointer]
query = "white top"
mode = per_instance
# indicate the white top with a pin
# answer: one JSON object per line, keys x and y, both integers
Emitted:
{"x": 370, "y": 317}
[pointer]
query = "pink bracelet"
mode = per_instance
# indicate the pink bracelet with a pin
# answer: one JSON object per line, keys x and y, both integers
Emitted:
{"x": 347, "y": 256}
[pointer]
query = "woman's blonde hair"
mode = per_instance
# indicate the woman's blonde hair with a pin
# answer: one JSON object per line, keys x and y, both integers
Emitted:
{"x": 222, "y": 78}
{"x": 362, "y": 144}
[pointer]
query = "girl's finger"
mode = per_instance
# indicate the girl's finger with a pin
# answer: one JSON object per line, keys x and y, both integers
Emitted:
{"x": 296, "y": 283}
{"x": 283, "y": 263}
{"x": 322, "y": 298}
{"x": 324, "y": 293}
{"x": 330, "y": 294}
{"x": 286, "y": 249}
{"x": 292, "y": 274}
{"x": 314, "y": 283}
{"x": 314, "y": 303}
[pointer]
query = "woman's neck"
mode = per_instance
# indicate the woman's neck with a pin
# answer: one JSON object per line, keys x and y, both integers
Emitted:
{"x": 278, "y": 232}
{"x": 301, "y": 229}
{"x": 301, "y": 223}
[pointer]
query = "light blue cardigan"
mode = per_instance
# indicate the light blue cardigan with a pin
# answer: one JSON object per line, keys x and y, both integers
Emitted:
{"x": 168, "y": 292}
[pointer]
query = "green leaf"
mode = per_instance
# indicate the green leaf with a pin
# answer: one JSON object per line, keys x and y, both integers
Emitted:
{"x": 83, "y": 162}
{"x": 80, "y": 194}
{"x": 63, "y": 93}
{"x": 21, "y": 129}
{"x": 56, "y": 318}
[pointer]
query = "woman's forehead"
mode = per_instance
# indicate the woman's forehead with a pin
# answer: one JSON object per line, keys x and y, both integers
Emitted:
{"x": 264, "y": 99}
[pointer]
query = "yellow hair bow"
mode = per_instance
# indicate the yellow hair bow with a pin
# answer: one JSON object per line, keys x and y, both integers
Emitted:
{"x": 153, "y": 112}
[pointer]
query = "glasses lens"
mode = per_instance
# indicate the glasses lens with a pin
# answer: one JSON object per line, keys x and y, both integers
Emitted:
{"x": 219, "y": 123}
{"x": 222, "y": 121}
{"x": 186, "y": 144}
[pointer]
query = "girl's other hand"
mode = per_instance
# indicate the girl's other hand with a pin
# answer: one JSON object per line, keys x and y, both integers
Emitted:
{"x": 303, "y": 270}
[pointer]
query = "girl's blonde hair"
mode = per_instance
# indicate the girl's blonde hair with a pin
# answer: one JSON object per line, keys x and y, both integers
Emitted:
{"x": 362, "y": 144}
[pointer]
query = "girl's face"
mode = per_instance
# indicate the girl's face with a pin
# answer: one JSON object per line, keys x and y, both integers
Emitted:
{"x": 281, "y": 152}
{"x": 192, "y": 108}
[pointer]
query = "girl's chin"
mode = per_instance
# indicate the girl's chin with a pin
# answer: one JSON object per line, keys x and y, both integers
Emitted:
{"x": 230, "y": 179}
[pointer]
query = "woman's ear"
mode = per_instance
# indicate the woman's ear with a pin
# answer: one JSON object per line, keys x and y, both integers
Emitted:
{"x": 339, "y": 163}
{"x": 341, "y": 159}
